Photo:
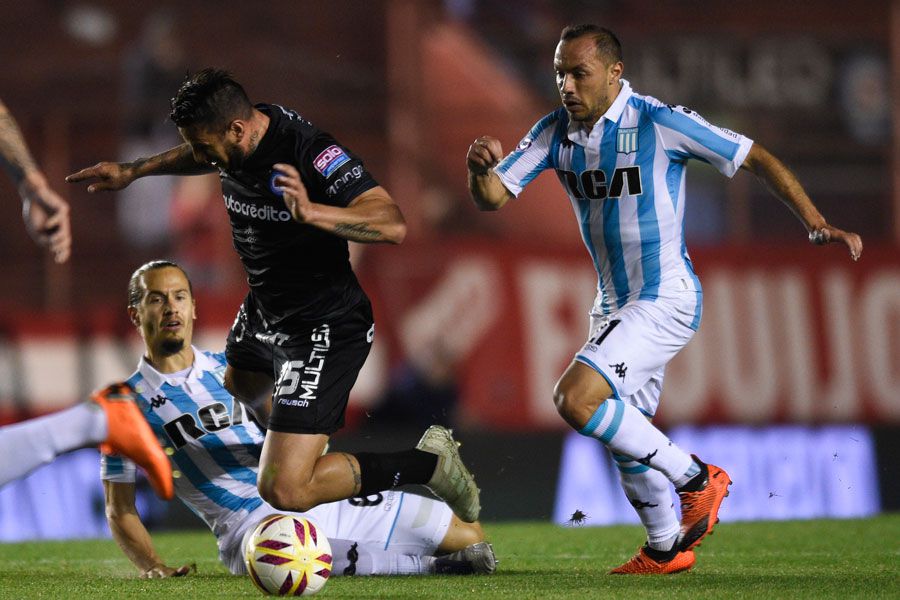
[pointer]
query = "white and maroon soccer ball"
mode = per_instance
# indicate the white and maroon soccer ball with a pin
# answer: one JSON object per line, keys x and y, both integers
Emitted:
{"x": 288, "y": 556}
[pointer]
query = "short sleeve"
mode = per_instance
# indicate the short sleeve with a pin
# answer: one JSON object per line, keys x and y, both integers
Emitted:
{"x": 530, "y": 157}
{"x": 685, "y": 134}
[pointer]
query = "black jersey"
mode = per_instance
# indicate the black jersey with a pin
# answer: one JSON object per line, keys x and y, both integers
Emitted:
{"x": 294, "y": 270}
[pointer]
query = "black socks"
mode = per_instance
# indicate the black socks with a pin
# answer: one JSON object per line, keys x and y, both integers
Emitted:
{"x": 384, "y": 471}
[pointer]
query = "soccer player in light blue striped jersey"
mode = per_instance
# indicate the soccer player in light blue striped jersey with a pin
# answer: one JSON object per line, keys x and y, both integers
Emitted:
{"x": 621, "y": 156}
{"x": 216, "y": 448}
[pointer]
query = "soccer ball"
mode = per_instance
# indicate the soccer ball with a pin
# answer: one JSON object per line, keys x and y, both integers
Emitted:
{"x": 288, "y": 556}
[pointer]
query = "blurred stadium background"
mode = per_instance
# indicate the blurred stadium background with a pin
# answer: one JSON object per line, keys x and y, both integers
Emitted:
{"x": 793, "y": 381}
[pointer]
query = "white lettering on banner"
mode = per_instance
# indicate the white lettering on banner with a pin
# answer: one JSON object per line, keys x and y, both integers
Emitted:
{"x": 840, "y": 397}
{"x": 801, "y": 381}
{"x": 880, "y": 309}
{"x": 740, "y": 315}
{"x": 687, "y": 379}
{"x": 50, "y": 372}
{"x": 549, "y": 290}
{"x": 792, "y": 344}
{"x": 458, "y": 311}
{"x": 763, "y": 350}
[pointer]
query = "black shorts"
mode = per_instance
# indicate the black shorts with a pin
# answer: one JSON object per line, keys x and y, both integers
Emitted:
{"x": 314, "y": 364}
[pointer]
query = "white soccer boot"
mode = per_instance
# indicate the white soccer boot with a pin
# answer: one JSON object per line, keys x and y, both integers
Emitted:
{"x": 451, "y": 481}
{"x": 477, "y": 559}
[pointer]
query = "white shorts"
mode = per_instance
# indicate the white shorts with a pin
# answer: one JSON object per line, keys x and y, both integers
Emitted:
{"x": 631, "y": 346}
{"x": 394, "y": 521}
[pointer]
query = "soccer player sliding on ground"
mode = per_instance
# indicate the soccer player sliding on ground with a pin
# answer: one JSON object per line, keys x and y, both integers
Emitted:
{"x": 179, "y": 389}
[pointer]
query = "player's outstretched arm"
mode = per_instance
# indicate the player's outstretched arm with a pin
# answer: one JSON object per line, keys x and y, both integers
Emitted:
{"x": 110, "y": 176}
{"x": 784, "y": 185}
{"x": 371, "y": 217}
{"x": 45, "y": 213}
{"x": 485, "y": 187}
{"x": 131, "y": 535}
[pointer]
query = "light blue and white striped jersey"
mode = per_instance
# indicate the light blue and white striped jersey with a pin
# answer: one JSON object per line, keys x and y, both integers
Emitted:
{"x": 625, "y": 179}
{"x": 216, "y": 446}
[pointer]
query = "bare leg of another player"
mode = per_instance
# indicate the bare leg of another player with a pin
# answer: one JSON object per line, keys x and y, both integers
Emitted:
{"x": 296, "y": 476}
{"x": 110, "y": 419}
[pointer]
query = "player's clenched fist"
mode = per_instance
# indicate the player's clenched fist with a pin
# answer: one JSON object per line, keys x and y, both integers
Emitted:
{"x": 484, "y": 154}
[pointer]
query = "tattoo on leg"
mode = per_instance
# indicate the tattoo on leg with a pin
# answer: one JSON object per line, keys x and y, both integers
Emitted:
{"x": 357, "y": 477}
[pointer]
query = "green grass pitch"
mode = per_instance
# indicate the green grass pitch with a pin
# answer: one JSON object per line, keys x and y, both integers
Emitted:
{"x": 797, "y": 559}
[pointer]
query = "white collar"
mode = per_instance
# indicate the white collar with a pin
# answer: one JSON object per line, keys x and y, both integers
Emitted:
{"x": 156, "y": 380}
{"x": 580, "y": 135}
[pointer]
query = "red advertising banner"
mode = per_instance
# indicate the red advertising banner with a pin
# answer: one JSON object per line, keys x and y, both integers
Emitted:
{"x": 789, "y": 333}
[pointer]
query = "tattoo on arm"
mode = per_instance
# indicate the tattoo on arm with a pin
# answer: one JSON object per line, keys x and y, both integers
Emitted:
{"x": 175, "y": 161}
{"x": 357, "y": 232}
{"x": 13, "y": 150}
{"x": 357, "y": 477}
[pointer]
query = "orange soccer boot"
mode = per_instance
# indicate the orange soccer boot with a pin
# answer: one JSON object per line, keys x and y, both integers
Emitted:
{"x": 642, "y": 564}
{"x": 129, "y": 434}
{"x": 700, "y": 501}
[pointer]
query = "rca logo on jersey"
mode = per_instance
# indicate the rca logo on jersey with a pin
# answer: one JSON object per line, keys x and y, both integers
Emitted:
{"x": 213, "y": 417}
{"x": 330, "y": 159}
{"x": 591, "y": 184}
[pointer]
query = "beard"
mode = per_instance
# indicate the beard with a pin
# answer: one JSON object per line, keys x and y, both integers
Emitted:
{"x": 236, "y": 158}
{"x": 170, "y": 347}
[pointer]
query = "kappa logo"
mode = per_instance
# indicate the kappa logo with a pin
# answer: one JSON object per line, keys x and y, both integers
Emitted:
{"x": 621, "y": 369}
{"x": 646, "y": 460}
{"x": 157, "y": 401}
{"x": 330, "y": 159}
{"x": 639, "y": 504}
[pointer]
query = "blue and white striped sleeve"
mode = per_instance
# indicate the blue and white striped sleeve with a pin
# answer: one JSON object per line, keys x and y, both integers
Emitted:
{"x": 117, "y": 469}
{"x": 685, "y": 134}
{"x": 530, "y": 157}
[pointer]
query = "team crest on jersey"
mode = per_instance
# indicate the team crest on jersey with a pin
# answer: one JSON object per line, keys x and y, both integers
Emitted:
{"x": 330, "y": 159}
{"x": 627, "y": 140}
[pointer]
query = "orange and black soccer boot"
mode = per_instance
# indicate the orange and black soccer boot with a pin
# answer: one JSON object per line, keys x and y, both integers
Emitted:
{"x": 129, "y": 434}
{"x": 656, "y": 562}
{"x": 700, "y": 501}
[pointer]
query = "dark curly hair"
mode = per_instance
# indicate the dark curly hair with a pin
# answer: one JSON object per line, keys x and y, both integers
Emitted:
{"x": 210, "y": 98}
{"x": 608, "y": 46}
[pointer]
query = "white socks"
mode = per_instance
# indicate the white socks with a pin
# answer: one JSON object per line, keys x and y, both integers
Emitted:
{"x": 650, "y": 494}
{"x": 27, "y": 445}
{"x": 625, "y": 430}
{"x": 352, "y": 558}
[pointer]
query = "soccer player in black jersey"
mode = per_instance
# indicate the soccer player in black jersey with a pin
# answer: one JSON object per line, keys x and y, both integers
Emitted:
{"x": 295, "y": 196}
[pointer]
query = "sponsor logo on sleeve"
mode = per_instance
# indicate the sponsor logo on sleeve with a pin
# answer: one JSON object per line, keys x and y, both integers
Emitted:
{"x": 525, "y": 144}
{"x": 330, "y": 159}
